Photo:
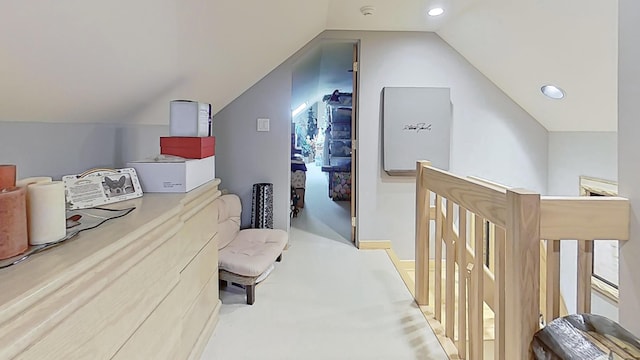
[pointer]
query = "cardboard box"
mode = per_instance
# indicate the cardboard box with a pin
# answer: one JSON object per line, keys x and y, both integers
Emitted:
{"x": 188, "y": 147}
{"x": 172, "y": 175}
{"x": 189, "y": 118}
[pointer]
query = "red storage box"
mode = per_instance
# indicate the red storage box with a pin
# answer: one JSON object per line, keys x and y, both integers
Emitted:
{"x": 188, "y": 147}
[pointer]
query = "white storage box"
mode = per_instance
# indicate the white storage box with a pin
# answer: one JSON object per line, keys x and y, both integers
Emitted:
{"x": 173, "y": 174}
{"x": 189, "y": 118}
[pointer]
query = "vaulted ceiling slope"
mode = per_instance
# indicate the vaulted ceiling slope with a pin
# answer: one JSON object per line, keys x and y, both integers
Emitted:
{"x": 123, "y": 60}
{"x": 522, "y": 45}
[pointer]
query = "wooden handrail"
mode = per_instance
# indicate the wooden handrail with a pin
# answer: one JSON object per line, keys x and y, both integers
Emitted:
{"x": 584, "y": 218}
{"x": 476, "y": 197}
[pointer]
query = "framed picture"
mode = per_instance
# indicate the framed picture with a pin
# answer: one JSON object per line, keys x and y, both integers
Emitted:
{"x": 416, "y": 124}
{"x": 98, "y": 187}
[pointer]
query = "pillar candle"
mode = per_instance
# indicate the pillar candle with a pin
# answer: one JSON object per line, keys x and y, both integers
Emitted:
{"x": 25, "y": 183}
{"x": 7, "y": 176}
{"x": 47, "y": 220}
{"x": 13, "y": 222}
{"x": 33, "y": 180}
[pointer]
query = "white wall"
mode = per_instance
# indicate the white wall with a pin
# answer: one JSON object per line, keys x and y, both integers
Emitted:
{"x": 572, "y": 154}
{"x": 629, "y": 158}
{"x": 55, "y": 149}
{"x": 245, "y": 156}
{"x": 492, "y": 137}
{"x": 601, "y": 305}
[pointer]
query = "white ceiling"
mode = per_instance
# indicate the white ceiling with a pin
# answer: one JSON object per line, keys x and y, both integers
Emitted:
{"x": 122, "y": 61}
{"x": 522, "y": 45}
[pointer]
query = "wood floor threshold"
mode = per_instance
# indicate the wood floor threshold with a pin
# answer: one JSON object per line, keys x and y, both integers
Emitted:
{"x": 374, "y": 245}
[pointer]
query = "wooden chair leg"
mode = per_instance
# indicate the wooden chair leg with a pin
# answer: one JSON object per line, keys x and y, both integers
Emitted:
{"x": 279, "y": 258}
{"x": 251, "y": 293}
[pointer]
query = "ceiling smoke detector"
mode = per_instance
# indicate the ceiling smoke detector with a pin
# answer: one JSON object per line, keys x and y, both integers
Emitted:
{"x": 367, "y": 10}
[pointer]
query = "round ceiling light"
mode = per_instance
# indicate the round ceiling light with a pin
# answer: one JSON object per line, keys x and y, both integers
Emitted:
{"x": 437, "y": 11}
{"x": 552, "y": 91}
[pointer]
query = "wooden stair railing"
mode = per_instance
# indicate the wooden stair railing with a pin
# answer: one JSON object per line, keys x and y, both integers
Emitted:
{"x": 510, "y": 287}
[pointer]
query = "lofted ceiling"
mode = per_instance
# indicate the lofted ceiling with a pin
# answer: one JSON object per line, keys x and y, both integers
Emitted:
{"x": 520, "y": 45}
{"x": 122, "y": 61}
{"x": 523, "y": 45}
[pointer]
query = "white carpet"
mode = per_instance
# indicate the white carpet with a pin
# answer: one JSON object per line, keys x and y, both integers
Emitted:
{"x": 321, "y": 215}
{"x": 325, "y": 300}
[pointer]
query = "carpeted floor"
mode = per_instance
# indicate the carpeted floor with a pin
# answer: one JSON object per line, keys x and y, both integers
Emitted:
{"x": 321, "y": 215}
{"x": 326, "y": 300}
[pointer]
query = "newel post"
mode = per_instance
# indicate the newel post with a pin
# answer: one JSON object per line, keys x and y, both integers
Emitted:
{"x": 423, "y": 207}
{"x": 522, "y": 283}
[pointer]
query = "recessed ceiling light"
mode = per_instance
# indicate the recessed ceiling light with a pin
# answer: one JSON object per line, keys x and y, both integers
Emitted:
{"x": 552, "y": 91}
{"x": 436, "y": 11}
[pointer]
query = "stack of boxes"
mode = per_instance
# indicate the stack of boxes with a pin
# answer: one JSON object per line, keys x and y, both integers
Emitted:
{"x": 187, "y": 157}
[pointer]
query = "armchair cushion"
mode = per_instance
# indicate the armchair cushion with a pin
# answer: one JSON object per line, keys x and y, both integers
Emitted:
{"x": 252, "y": 251}
{"x": 229, "y": 209}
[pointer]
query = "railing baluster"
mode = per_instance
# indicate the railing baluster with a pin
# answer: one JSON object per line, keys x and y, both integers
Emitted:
{"x": 450, "y": 295}
{"x": 438, "y": 260}
{"x": 477, "y": 295}
{"x": 473, "y": 309}
{"x": 461, "y": 247}
{"x": 585, "y": 266}
{"x": 498, "y": 301}
{"x": 552, "y": 310}
{"x": 423, "y": 223}
{"x": 491, "y": 246}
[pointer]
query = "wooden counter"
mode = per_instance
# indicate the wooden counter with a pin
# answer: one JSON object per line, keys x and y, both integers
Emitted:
{"x": 144, "y": 286}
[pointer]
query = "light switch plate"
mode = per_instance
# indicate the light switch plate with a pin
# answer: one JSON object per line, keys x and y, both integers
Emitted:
{"x": 263, "y": 124}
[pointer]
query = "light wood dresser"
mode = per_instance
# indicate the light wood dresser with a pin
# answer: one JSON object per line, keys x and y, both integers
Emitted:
{"x": 144, "y": 286}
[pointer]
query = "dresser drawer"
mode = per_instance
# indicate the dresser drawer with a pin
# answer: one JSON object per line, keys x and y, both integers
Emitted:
{"x": 103, "y": 324}
{"x": 196, "y": 275}
{"x": 159, "y": 336}
{"x": 197, "y": 231}
{"x": 197, "y": 316}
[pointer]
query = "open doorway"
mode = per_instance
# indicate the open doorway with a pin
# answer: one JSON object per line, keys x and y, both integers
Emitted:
{"x": 323, "y": 138}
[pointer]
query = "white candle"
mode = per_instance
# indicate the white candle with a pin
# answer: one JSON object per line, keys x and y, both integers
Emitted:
{"x": 29, "y": 181}
{"x": 47, "y": 212}
{"x": 33, "y": 180}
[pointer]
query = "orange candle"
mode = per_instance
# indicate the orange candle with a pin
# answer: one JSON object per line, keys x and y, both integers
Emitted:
{"x": 7, "y": 176}
{"x": 13, "y": 222}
